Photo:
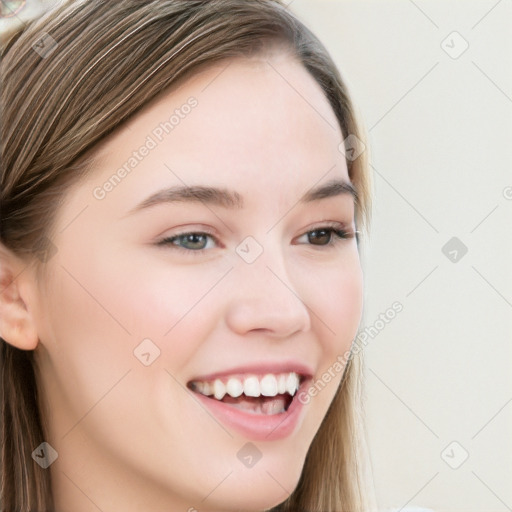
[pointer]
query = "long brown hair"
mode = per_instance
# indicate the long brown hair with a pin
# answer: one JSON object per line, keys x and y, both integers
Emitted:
{"x": 102, "y": 63}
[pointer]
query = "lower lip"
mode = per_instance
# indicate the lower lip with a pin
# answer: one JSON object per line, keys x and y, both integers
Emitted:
{"x": 258, "y": 427}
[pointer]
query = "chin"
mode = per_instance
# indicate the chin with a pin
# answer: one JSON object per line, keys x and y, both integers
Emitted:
{"x": 255, "y": 489}
{"x": 247, "y": 498}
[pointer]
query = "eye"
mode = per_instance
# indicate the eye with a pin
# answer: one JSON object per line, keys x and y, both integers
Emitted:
{"x": 196, "y": 242}
{"x": 328, "y": 235}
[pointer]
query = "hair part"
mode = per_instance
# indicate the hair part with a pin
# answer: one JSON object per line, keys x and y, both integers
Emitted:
{"x": 112, "y": 59}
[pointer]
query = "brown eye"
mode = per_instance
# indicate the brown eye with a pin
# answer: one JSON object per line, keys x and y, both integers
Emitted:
{"x": 327, "y": 236}
{"x": 322, "y": 236}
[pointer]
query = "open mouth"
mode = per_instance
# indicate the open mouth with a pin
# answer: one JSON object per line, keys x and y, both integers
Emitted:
{"x": 269, "y": 395}
{"x": 260, "y": 405}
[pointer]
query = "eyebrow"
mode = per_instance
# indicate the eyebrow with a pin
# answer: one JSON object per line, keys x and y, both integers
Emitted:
{"x": 233, "y": 200}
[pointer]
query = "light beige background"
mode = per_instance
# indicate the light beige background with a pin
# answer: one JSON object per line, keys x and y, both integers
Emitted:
{"x": 440, "y": 134}
{"x": 440, "y": 138}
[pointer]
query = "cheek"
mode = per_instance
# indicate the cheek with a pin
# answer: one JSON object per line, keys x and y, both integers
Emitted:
{"x": 98, "y": 310}
{"x": 335, "y": 292}
{"x": 176, "y": 306}
{"x": 347, "y": 303}
{"x": 337, "y": 300}
{"x": 85, "y": 336}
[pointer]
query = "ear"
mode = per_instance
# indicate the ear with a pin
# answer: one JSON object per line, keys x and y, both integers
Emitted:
{"x": 16, "y": 324}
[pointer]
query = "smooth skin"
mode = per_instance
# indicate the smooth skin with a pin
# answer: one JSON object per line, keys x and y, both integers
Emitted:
{"x": 132, "y": 437}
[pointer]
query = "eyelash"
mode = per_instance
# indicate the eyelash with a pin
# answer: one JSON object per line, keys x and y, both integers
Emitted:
{"x": 338, "y": 235}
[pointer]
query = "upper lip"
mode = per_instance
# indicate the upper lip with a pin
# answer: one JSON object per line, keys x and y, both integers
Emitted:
{"x": 274, "y": 367}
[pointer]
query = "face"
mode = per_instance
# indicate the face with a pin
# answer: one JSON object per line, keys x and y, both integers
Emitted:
{"x": 154, "y": 287}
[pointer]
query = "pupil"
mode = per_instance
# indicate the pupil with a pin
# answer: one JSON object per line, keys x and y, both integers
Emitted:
{"x": 194, "y": 239}
{"x": 325, "y": 235}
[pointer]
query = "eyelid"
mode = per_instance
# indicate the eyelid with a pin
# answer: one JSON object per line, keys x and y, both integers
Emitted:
{"x": 333, "y": 225}
{"x": 192, "y": 231}
{"x": 317, "y": 225}
{"x": 337, "y": 227}
{"x": 342, "y": 226}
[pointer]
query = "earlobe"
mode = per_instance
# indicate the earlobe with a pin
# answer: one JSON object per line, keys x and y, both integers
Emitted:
{"x": 16, "y": 324}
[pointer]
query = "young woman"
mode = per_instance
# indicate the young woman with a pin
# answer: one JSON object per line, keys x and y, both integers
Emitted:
{"x": 182, "y": 191}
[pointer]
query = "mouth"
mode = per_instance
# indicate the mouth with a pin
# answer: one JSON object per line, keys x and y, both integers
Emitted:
{"x": 267, "y": 394}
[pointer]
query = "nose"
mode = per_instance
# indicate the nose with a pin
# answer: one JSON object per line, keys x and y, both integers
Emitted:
{"x": 266, "y": 299}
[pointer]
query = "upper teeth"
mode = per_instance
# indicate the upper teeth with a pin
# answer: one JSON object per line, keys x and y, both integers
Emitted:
{"x": 269, "y": 385}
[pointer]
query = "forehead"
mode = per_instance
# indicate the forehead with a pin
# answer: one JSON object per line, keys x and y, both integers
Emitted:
{"x": 261, "y": 123}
